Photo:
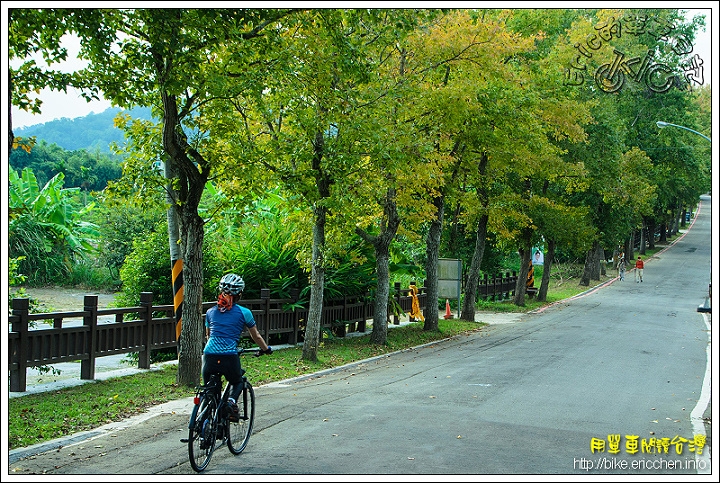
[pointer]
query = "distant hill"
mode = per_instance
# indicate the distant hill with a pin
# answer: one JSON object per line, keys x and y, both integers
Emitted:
{"x": 94, "y": 132}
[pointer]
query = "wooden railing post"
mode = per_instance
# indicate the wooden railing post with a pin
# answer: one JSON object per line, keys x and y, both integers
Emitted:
{"x": 423, "y": 299}
{"x": 294, "y": 295}
{"x": 349, "y": 315}
{"x": 363, "y": 320}
{"x": 265, "y": 296}
{"x": 501, "y": 286}
{"x": 146, "y": 301}
{"x": 18, "y": 377}
{"x": 396, "y": 319}
{"x": 90, "y": 320}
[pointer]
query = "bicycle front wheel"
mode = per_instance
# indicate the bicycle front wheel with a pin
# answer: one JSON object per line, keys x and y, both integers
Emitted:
{"x": 239, "y": 432}
{"x": 201, "y": 442}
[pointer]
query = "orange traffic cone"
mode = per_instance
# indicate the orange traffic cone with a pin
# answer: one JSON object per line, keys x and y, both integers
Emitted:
{"x": 448, "y": 314}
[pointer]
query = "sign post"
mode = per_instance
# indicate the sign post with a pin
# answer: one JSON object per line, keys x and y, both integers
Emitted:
{"x": 450, "y": 279}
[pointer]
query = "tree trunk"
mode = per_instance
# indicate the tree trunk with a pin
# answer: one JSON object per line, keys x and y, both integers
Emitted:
{"x": 521, "y": 284}
{"x": 317, "y": 286}
{"x": 525, "y": 252}
{"x": 470, "y": 297}
{"x": 473, "y": 278}
{"x": 381, "y": 244}
{"x": 432, "y": 252}
{"x": 678, "y": 216}
{"x": 591, "y": 270}
{"x": 630, "y": 246}
{"x": 193, "y": 331}
{"x": 192, "y": 172}
{"x": 643, "y": 240}
{"x": 380, "y": 319}
{"x": 601, "y": 261}
{"x": 652, "y": 227}
{"x": 547, "y": 266}
{"x": 317, "y": 273}
{"x": 176, "y": 259}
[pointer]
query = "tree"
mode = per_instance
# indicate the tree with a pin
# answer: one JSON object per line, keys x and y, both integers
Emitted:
{"x": 307, "y": 126}
{"x": 388, "y": 189}
{"x": 625, "y": 118}
{"x": 164, "y": 58}
{"x": 496, "y": 119}
{"x": 458, "y": 64}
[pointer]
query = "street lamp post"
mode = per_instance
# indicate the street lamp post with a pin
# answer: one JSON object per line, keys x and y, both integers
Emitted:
{"x": 662, "y": 124}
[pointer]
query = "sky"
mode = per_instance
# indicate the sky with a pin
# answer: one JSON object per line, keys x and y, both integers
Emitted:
{"x": 58, "y": 105}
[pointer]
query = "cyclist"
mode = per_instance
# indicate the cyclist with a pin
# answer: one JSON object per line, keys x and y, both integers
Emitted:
{"x": 224, "y": 324}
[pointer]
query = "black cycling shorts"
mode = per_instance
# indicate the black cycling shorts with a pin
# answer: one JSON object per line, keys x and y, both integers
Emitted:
{"x": 226, "y": 364}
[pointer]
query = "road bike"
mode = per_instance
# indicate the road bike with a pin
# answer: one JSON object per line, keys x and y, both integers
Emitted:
{"x": 210, "y": 426}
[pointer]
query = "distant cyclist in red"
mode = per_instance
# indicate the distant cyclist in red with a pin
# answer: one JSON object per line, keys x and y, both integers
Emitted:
{"x": 639, "y": 265}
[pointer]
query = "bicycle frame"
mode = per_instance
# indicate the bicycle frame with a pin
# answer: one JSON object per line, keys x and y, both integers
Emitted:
{"x": 210, "y": 411}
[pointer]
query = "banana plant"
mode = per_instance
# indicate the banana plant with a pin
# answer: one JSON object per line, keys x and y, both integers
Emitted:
{"x": 46, "y": 226}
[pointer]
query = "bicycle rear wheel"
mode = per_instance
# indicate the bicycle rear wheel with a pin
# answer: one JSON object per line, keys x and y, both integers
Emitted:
{"x": 239, "y": 433}
{"x": 201, "y": 442}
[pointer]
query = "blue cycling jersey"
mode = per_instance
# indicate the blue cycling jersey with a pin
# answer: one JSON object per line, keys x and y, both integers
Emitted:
{"x": 226, "y": 328}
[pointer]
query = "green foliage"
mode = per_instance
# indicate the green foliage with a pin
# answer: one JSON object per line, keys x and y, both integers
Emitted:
{"x": 47, "y": 228}
{"x": 15, "y": 278}
{"x": 255, "y": 243}
{"x": 352, "y": 271}
{"x": 35, "y": 31}
{"x": 121, "y": 222}
{"x": 463, "y": 246}
{"x": 260, "y": 255}
{"x": 89, "y": 273}
{"x": 564, "y": 163}
{"x": 147, "y": 269}
{"x": 260, "y": 248}
{"x": 83, "y": 168}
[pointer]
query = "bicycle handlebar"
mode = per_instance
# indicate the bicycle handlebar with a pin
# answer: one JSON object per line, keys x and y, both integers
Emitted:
{"x": 261, "y": 352}
{"x": 257, "y": 353}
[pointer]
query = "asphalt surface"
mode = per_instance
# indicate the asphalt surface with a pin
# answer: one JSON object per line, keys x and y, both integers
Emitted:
{"x": 524, "y": 396}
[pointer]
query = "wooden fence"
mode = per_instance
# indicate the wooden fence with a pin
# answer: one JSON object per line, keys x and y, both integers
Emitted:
{"x": 93, "y": 332}
{"x": 499, "y": 287}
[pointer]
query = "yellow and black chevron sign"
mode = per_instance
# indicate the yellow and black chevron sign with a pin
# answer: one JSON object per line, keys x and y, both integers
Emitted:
{"x": 178, "y": 290}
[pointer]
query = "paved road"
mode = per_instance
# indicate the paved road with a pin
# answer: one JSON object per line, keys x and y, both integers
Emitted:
{"x": 528, "y": 398}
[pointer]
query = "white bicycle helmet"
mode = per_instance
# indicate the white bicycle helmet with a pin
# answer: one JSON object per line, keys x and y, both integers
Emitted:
{"x": 231, "y": 284}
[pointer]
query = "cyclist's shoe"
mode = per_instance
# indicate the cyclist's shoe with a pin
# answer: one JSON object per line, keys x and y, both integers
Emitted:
{"x": 233, "y": 413}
